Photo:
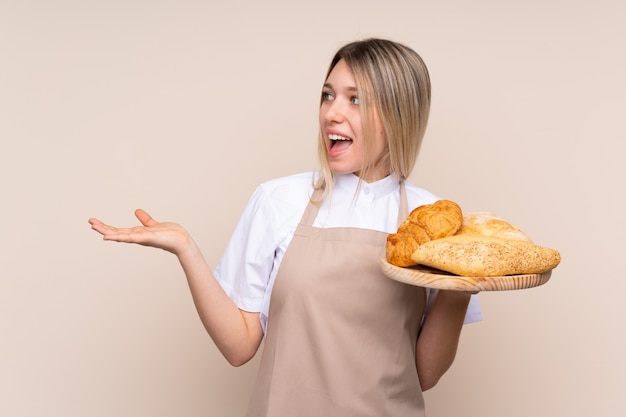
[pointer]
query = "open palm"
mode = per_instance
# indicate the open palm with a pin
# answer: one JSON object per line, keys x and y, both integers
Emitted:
{"x": 168, "y": 236}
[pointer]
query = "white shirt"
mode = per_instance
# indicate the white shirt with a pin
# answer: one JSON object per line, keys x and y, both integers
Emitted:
{"x": 250, "y": 263}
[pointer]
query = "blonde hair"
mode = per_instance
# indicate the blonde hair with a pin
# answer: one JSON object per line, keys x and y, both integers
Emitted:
{"x": 392, "y": 80}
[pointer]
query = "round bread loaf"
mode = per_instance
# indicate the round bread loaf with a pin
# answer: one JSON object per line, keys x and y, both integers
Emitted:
{"x": 490, "y": 224}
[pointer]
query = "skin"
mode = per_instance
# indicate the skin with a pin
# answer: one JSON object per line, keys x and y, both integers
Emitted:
{"x": 439, "y": 338}
{"x": 237, "y": 333}
{"x": 340, "y": 115}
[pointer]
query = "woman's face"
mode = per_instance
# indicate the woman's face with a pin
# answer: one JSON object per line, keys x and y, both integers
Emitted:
{"x": 340, "y": 121}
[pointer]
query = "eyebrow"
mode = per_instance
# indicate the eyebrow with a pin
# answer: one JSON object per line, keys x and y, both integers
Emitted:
{"x": 350, "y": 89}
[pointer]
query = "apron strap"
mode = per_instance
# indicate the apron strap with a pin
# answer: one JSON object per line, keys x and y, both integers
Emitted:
{"x": 310, "y": 212}
{"x": 403, "y": 212}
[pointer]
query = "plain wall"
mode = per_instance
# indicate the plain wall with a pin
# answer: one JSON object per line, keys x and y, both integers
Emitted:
{"x": 183, "y": 107}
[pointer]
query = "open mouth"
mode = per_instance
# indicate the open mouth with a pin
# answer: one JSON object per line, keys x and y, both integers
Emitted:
{"x": 338, "y": 143}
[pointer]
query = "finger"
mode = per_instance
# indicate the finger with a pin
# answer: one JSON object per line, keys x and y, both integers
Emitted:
{"x": 145, "y": 218}
{"x": 109, "y": 232}
{"x": 98, "y": 226}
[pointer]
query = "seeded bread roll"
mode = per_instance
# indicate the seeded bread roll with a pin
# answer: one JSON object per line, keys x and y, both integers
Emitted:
{"x": 427, "y": 222}
{"x": 475, "y": 255}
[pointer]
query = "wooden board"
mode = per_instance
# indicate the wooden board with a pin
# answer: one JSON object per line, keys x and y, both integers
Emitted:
{"x": 430, "y": 278}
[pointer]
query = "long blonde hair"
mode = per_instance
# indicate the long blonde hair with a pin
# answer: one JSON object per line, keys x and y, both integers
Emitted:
{"x": 393, "y": 80}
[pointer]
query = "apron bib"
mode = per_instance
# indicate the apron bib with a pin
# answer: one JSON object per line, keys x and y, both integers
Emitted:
{"x": 340, "y": 338}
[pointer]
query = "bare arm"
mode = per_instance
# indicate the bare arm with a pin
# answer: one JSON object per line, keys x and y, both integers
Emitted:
{"x": 438, "y": 340}
{"x": 236, "y": 333}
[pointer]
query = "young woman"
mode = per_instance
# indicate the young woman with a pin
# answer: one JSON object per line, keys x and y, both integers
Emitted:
{"x": 302, "y": 268}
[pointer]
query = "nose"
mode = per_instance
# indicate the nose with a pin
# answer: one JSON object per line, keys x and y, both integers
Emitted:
{"x": 333, "y": 111}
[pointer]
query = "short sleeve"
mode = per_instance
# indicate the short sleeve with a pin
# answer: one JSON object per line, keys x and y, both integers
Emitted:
{"x": 246, "y": 266}
{"x": 473, "y": 313}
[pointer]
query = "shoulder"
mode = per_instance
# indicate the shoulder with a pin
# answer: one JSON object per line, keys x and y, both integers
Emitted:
{"x": 301, "y": 182}
{"x": 290, "y": 190}
{"x": 417, "y": 196}
{"x": 285, "y": 197}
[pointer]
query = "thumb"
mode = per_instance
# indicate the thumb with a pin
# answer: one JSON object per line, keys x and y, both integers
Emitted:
{"x": 145, "y": 218}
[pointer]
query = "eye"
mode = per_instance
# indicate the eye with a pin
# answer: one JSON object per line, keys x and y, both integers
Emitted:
{"x": 355, "y": 100}
{"x": 326, "y": 96}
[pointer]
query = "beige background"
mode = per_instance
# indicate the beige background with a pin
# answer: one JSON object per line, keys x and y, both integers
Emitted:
{"x": 183, "y": 107}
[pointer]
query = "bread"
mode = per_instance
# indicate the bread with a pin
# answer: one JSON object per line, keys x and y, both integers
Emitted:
{"x": 475, "y": 255}
{"x": 400, "y": 246}
{"x": 477, "y": 244}
{"x": 425, "y": 223}
{"x": 489, "y": 224}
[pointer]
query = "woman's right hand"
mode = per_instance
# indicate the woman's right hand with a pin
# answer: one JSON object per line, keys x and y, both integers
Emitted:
{"x": 168, "y": 236}
{"x": 237, "y": 333}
